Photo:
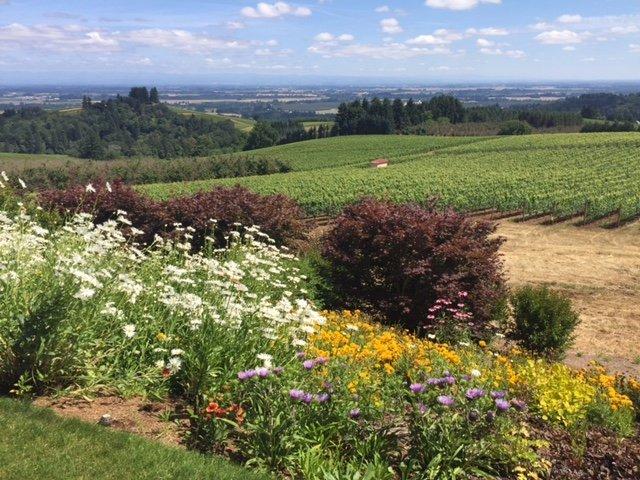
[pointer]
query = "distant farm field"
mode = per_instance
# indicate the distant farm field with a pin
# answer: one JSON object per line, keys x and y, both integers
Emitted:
{"x": 561, "y": 175}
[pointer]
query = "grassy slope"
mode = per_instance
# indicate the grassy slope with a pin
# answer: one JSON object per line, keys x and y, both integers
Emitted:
{"x": 540, "y": 168}
{"x": 40, "y": 445}
{"x": 242, "y": 124}
{"x": 32, "y": 157}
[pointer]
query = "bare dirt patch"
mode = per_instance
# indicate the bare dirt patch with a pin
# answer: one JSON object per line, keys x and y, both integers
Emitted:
{"x": 599, "y": 269}
{"x": 138, "y": 416}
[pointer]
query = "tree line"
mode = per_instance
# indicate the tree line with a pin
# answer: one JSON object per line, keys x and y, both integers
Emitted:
{"x": 135, "y": 125}
{"x": 385, "y": 116}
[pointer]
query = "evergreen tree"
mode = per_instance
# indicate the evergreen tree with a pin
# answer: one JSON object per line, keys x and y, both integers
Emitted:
{"x": 154, "y": 97}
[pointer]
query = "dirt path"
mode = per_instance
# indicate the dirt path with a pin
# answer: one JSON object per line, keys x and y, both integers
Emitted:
{"x": 599, "y": 269}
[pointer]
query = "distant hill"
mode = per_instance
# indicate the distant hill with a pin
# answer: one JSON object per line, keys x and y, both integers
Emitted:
{"x": 136, "y": 125}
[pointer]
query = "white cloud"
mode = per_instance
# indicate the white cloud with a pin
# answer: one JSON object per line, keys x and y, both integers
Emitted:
{"x": 275, "y": 10}
{"x": 625, "y": 30}
{"x": 459, "y": 4}
{"x": 390, "y": 26}
{"x": 439, "y": 37}
{"x": 484, "y": 43}
{"x": 61, "y": 39}
{"x": 569, "y": 48}
{"x": 326, "y": 37}
{"x": 570, "y": 19}
{"x": 488, "y": 32}
{"x": 382, "y": 9}
{"x": 179, "y": 40}
{"x": 559, "y": 37}
{"x": 503, "y": 53}
{"x": 427, "y": 40}
{"x": 234, "y": 25}
{"x": 387, "y": 51}
{"x": 634, "y": 47}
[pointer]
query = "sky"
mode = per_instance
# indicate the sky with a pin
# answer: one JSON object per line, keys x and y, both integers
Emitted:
{"x": 208, "y": 41}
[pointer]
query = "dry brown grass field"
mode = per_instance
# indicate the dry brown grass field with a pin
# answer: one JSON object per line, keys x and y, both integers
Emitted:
{"x": 599, "y": 269}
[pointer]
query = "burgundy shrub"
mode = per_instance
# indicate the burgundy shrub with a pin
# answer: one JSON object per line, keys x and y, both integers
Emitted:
{"x": 396, "y": 261}
{"x": 104, "y": 203}
{"x": 276, "y": 215}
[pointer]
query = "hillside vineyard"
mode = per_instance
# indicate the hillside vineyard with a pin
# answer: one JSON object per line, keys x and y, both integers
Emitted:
{"x": 594, "y": 175}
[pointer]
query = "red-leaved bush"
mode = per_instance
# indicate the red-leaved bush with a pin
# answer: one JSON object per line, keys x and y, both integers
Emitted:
{"x": 276, "y": 215}
{"x": 397, "y": 261}
{"x": 104, "y": 201}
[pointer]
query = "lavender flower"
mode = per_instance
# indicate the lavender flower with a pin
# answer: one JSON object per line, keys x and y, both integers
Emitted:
{"x": 307, "y": 398}
{"x": 354, "y": 414}
{"x": 473, "y": 415}
{"x": 309, "y": 364}
{"x": 263, "y": 372}
{"x": 449, "y": 380}
{"x": 519, "y": 404}
{"x": 246, "y": 375}
{"x": 491, "y": 416}
{"x": 322, "y": 398}
{"x": 417, "y": 388}
{"x": 422, "y": 408}
{"x": 296, "y": 394}
{"x": 446, "y": 400}
{"x": 474, "y": 393}
{"x": 498, "y": 394}
{"x": 502, "y": 405}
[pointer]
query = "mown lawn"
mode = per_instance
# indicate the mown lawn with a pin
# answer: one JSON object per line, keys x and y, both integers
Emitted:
{"x": 37, "y": 444}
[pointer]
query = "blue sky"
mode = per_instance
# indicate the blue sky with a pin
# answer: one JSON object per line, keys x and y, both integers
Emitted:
{"x": 416, "y": 40}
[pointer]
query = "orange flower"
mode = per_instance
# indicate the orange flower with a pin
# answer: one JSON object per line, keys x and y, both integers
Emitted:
{"x": 216, "y": 410}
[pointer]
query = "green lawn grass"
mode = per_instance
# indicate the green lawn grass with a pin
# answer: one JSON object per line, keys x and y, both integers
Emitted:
{"x": 37, "y": 444}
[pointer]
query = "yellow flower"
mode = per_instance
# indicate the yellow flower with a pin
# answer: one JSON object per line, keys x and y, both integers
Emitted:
{"x": 161, "y": 337}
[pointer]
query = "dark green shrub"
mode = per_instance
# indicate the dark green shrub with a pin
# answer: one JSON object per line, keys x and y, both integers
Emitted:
{"x": 544, "y": 321}
{"x": 515, "y": 127}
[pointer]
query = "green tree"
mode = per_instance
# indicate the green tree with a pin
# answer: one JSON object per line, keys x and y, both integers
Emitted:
{"x": 263, "y": 135}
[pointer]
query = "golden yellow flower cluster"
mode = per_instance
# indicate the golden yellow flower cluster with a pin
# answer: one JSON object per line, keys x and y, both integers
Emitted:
{"x": 348, "y": 335}
{"x": 597, "y": 375}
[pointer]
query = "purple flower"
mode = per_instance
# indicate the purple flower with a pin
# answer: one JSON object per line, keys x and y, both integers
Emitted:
{"x": 354, "y": 414}
{"x": 247, "y": 374}
{"x": 491, "y": 416}
{"x": 434, "y": 382}
{"x": 322, "y": 397}
{"x": 473, "y": 415}
{"x": 498, "y": 394}
{"x": 449, "y": 380}
{"x": 278, "y": 371}
{"x": 309, "y": 364}
{"x": 422, "y": 408}
{"x": 502, "y": 404}
{"x": 263, "y": 372}
{"x": 307, "y": 398}
{"x": 474, "y": 393}
{"x": 328, "y": 386}
{"x": 518, "y": 404}
{"x": 446, "y": 400}
{"x": 296, "y": 394}
{"x": 321, "y": 361}
{"x": 417, "y": 388}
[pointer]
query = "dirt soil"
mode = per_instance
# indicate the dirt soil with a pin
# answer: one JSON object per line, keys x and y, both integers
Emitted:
{"x": 599, "y": 269}
{"x": 137, "y": 416}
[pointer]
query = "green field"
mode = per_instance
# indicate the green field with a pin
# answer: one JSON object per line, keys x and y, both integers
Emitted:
{"x": 309, "y": 125}
{"x": 242, "y": 124}
{"x": 7, "y": 158}
{"x": 557, "y": 174}
{"x": 40, "y": 445}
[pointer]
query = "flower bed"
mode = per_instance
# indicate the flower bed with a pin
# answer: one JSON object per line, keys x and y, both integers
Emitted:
{"x": 266, "y": 378}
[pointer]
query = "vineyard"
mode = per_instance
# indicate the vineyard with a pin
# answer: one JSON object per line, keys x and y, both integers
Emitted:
{"x": 593, "y": 175}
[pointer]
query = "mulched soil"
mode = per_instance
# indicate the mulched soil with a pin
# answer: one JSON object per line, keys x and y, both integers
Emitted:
{"x": 601, "y": 456}
{"x": 154, "y": 420}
